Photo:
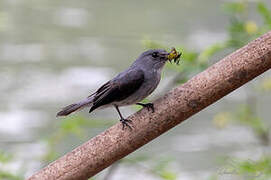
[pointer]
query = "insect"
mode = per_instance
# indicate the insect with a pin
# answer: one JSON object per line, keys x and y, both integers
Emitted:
{"x": 175, "y": 56}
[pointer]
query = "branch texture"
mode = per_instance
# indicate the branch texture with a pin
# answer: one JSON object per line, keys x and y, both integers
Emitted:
{"x": 176, "y": 106}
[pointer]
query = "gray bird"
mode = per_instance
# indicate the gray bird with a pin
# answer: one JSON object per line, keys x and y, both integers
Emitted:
{"x": 128, "y": 87}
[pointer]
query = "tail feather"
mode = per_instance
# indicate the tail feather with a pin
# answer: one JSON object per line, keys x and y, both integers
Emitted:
{"x": 68, "y": 110}
{"x": 74, "y": 107}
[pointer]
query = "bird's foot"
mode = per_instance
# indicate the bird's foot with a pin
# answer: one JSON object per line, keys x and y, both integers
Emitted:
{"x": 149, "y": 106}
{"x": 125, "y": 123}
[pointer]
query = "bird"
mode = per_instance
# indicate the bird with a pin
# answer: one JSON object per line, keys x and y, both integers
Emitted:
{"x": 128, "y": 87}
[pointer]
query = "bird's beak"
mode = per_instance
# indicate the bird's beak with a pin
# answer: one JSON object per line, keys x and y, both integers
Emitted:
{"x": 174, "y": 55}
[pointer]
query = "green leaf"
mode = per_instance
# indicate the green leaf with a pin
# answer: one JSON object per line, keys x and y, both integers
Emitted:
{"x": 235, "y": 7}
{"x": 9, "y": 176}
{"x": 265, "y": 85}
{"x": 206, "y": 54}
{"x": 265, "y": 13}
{"x": 5, "y": 157}
{"x": 168, "y": 175}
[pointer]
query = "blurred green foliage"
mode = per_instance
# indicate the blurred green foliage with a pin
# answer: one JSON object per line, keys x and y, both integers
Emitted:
{"x": 248, "y": 169}
{"x": 266, "y": 15}
{"x": 265, "y": 85}
{"x": 160, "y": 169}
{"x": 4, "y": 175}
{"x": 74, "y": 125}
{"x": 246, "y": 116}
{"x": 6, "y": 159}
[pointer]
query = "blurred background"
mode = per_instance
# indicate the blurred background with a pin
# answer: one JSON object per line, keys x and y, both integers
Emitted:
{"x": 53, "y": 53}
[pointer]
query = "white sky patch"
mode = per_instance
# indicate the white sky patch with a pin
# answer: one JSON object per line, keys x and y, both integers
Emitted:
{"x": 21, "y": 52}
{"x": 73, "y": 17}
{"x": 17, "y": 122}
{"x": 201, "y": 39}
{"x": 201, "y": 142}
{"x": 85, "y": 47}
{"x": 90, "y": 48}
{"x": 46, "y": 87}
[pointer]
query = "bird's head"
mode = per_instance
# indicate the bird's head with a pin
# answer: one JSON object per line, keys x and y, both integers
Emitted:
{"x": 156, "y": 58}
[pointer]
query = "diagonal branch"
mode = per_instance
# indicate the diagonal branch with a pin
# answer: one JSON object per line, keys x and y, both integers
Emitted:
{"x": 176, "y": 106}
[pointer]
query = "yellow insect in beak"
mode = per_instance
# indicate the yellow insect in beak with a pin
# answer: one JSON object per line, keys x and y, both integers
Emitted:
{"x": 174, "y": 55}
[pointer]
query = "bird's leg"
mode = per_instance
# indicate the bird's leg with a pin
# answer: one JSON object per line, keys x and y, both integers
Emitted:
{"x": 123, "y": 121}
{"x": 148, "y": 106}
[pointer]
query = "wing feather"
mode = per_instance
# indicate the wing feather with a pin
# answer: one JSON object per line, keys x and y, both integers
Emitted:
{"x": 119, "y": 88}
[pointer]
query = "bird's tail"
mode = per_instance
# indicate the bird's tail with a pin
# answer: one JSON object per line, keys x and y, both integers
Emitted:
{"x": 74, "y": 107}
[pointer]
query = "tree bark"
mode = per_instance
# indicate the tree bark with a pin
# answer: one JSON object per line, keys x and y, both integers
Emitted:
{"x": 176, "y": 106}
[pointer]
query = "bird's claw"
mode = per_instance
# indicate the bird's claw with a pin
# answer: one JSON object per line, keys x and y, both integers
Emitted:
{"x": 149, "y": 106}
{"x": 125, "y": 123}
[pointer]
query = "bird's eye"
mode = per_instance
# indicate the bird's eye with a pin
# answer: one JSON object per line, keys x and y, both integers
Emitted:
{"x": 154, "y": 54}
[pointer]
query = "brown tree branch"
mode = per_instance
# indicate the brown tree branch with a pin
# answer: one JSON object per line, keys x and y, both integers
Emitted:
{"x": 176, "y": 106}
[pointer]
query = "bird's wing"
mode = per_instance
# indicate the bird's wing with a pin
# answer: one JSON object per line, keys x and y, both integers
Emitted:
{"x": 118, "y": 88}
